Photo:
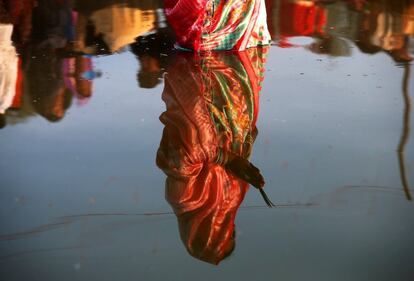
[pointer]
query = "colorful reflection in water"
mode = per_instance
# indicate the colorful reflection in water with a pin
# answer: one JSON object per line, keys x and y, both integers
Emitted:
{"x": 102, "y": 118}
{"x": 52, "y": 44}
{"x": 212, "y": 105}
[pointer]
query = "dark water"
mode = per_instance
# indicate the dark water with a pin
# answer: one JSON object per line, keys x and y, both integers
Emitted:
{"x": 82, "y": 197}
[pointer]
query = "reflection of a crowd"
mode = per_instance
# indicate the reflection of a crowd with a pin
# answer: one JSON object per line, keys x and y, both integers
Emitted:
{"x": 55, "y": 40}
{"x": 47, "y": 49}
{"x": 373, "y": 26}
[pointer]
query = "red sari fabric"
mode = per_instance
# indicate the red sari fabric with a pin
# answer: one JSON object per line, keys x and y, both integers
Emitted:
{"x": 204, "y": 25}
{"x": 212, "y": 105}
{"x": 300, "y": 19}
{"x": 186, "y": 18}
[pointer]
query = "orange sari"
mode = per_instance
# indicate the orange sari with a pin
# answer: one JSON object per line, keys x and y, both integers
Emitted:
{"x": 212, "y": 107}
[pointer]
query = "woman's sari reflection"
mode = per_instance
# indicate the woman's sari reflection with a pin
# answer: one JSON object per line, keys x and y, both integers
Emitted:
{"x": 210, "y": 126}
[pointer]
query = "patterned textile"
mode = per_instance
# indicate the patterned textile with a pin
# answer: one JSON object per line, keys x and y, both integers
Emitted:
{"x": 212, "y": 106}
{"x": 204, "y": 25}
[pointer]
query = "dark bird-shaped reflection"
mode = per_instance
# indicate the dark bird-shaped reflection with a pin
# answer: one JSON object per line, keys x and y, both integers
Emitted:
{"x": 210, "y": 125}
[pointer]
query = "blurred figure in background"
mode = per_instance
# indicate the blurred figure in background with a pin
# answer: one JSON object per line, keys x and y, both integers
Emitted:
{"x": 19, "y": 13}
{"x": 309, "y": 19}
{"x": 53, "y": 73}
{"x": 9, "y": 64}
{"x": 53, "y": 80}
{"x": 300, "y": 18}
{"x": 78, "y": 75}
{"x": 393, "y": 23}
{"x": 53, "y": 24}
{"x": 104, "y": 29}
{"x": 373, "y": 26}
{"x": 46, "y": 87}
{"x": 212, "y": 105}
{"x": 55, "y": 38}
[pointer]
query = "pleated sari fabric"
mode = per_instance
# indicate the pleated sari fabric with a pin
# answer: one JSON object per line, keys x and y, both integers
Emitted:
{"x": 204, "y": 25}
{"x": 212, "y": 106}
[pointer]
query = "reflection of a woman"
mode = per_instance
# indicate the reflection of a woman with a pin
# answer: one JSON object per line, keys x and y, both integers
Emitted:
{"x": 8, "y": 70}
{"x": 210, "y": 127}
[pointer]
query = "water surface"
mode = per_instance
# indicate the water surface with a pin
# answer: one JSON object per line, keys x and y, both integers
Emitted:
{"x": 82, "y": 197}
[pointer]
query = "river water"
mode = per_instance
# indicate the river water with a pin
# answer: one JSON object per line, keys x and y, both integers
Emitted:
{"x": 87, "y": 168}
